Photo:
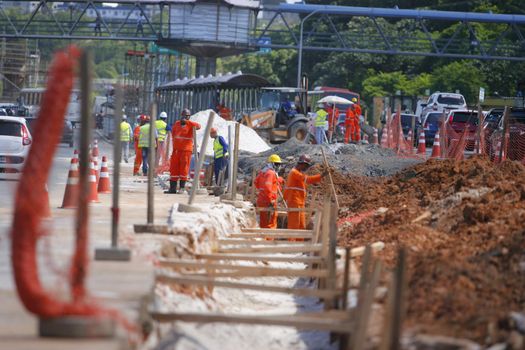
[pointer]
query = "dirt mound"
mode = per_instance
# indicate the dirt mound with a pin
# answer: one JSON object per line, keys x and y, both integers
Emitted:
{"x": 463, "y": 224}
{"x": 358, "y": 159}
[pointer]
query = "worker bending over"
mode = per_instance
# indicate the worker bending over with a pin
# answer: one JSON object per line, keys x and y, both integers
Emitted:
{"x": 295, "y": 191}
{"x": 268, "y": 184}
{"x": 138, "y": 151}
{"x": 182, "y": 135}
{"x": 220, "y": 155}
{"x": 125, "y": 138}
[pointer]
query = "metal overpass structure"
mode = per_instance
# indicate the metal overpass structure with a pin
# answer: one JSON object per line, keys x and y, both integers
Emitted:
{"x": 237, "y": 26}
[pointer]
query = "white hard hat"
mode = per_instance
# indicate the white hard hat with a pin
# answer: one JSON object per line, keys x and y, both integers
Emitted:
{"x": 163, "y": 115}
{"x": 124, "y": 116}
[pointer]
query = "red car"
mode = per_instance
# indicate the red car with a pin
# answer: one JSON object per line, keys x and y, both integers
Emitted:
{"x": 459, "y": 120}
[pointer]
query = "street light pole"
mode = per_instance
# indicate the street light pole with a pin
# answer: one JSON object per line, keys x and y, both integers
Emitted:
{"x": 300, "y": 59}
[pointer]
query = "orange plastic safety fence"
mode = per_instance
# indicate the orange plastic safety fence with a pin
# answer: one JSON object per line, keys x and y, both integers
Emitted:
{"x": 164, "y": 161}
{"x": 394, "y": 138}
{"x": 28, "y": 214}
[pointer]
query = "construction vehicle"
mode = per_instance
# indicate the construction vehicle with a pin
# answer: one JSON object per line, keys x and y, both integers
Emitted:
{"x": 281, "y": 114}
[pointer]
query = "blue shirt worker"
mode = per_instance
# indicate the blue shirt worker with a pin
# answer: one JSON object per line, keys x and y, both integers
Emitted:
{"x": 220, "y": 156}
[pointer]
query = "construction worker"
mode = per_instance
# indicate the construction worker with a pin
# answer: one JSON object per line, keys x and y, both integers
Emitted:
{"x": 295, "y": 191}
{"x": 138, "y": 152}
{"x": 182, "y": 134}
{"x": 333, "y": 117}
{"x": 320, "y": 124}
{"x": 352, "y": 125}
{"x": 224, "y": 111}
{"x": 161, "y": 126}
{"x": 268, "y": 184}
{"x": 125, "y": 138}
{"x": 144, "y": 143}
{"x": 357, "y": 106}
{"x": 220, "y": 155}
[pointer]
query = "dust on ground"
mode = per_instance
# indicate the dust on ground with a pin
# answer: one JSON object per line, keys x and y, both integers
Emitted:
{"x": 359, "y": 159}
{"x": 463, "y": 224}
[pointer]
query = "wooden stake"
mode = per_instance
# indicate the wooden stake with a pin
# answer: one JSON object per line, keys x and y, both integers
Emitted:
{"x": 307, "y": 248}
{"x": 330, "y": 177}
{"x": 266, "y": 258}
{"x": 271, "y": 235}
{"x": 252, "y": 193}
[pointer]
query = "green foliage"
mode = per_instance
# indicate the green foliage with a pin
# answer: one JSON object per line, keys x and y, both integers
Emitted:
{"x": 460, "y": 75}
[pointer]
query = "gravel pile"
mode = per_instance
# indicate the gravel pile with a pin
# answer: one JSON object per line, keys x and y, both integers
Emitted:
{"x": 357, "y": 159}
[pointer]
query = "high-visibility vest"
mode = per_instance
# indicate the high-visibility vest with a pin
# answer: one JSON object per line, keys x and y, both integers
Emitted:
{"x": 320, "y": 118}
{"x": 125, "y": 131}
{"x": 218, "y": 150}
{"x": 161, "y": 128}
{"x": 144, "y": 136}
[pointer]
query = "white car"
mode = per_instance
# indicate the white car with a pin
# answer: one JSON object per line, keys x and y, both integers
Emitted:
{"x": 443, "y": 101}
{"x": 15, "y": 140}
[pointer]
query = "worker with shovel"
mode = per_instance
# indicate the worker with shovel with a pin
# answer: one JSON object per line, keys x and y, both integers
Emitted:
{"x": 220, "y": 155}
{"x": 268, "y": 184}
{"x": 295, "y": 191}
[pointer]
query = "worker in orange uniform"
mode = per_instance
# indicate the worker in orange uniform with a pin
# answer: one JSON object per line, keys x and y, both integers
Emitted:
{"x": 138, "y": 151}
{"x": 182, "y": 135}
{"x": 268, "y": 184}
{"x": 333, "y": 117}
{"x": 295, "y": 191}
{"x": 224, "y": 111}
{"x": 352, "y": 125}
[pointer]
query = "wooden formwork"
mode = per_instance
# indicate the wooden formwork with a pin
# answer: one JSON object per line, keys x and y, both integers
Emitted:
{"x": 318, "y": 248}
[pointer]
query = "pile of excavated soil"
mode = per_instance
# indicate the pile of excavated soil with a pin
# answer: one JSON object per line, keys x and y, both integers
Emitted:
{"x": 360, "y": 159}
{"x": 463, "y": 224}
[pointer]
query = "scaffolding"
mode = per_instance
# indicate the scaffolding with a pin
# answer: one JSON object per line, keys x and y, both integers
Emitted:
{"x": 146, "y": 69}
{"x": 19, "y": 67}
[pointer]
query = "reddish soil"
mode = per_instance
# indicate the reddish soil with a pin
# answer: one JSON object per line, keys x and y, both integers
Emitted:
{"x": 464, "y": 257}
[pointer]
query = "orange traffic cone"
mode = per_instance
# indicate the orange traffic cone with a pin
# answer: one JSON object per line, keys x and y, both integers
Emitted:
{"x": 75, "y": 156}
{"x": 421, "y": 146}
{"x": 409, "y": 137}
{"x": 436, "y": 148}
{"x": 375, "y": 139}
{"x": 497, "y": 158}
{"x": 103, "y": 183}
{"x": 365, "y": 138}
{"x": 94, "y": 151}
{"x": 71, "y": 193}
{"x": 94, "y": 155}
{"x": 93, "y": 194}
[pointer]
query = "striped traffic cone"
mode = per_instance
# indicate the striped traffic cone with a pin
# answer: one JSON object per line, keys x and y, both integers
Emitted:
{"x": 436, "y": 147}
{"x": 375, "y": 139}
{"x": 71, "y": 193}
{"x": 103, "y": 183}
{"x": 94, "y": 155}
{"x": 365, "y": 138}
{"x": 497, "y": 158}
{"x": 409, "y": 137}
{"x": 422, "y": 146}
{"x": 75, "y": 156}
{"x": 92, "y": 179}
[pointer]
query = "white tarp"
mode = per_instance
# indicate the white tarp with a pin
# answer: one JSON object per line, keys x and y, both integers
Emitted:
{"x": 249, "y": 140}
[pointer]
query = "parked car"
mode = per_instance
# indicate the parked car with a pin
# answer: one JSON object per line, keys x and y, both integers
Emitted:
{"x": 15, "y": 140}
{"x": 461, "y": 120}
{"x": 67, "y": 132}
{"x": 444, "y": 101}
{"x": 516, "y": 140}
{"x": 431, "y": 123}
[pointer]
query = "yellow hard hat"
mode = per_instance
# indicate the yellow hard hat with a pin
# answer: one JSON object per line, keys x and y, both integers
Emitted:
{"x": 354, "y": 99}
{"x": 274, "y": 158}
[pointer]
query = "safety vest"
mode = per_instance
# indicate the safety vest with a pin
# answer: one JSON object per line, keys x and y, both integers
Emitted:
{"x": 218, "y": 150}
{"x": 125, "y": 131}
{"x": 144, "y": 136}
{"x": 161, "y": 128}
{"x": 320, "y": 118}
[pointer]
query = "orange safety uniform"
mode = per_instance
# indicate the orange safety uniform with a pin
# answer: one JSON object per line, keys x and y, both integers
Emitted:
{"x": 225, "y": 113}
{"x": 268, "y": 183}
{"x": 333, "y": 117}
{"x": 182, "y": 137}
{"x": 352, "y": 125}
{"x": 138, "y": 151}
{"x": 295, "y": 196}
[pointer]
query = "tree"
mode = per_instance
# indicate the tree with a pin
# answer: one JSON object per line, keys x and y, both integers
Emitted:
{"x": 460, "y": 75}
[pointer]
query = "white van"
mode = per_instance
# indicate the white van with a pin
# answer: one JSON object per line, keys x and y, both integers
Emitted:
{"x": 443, "y": 101}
